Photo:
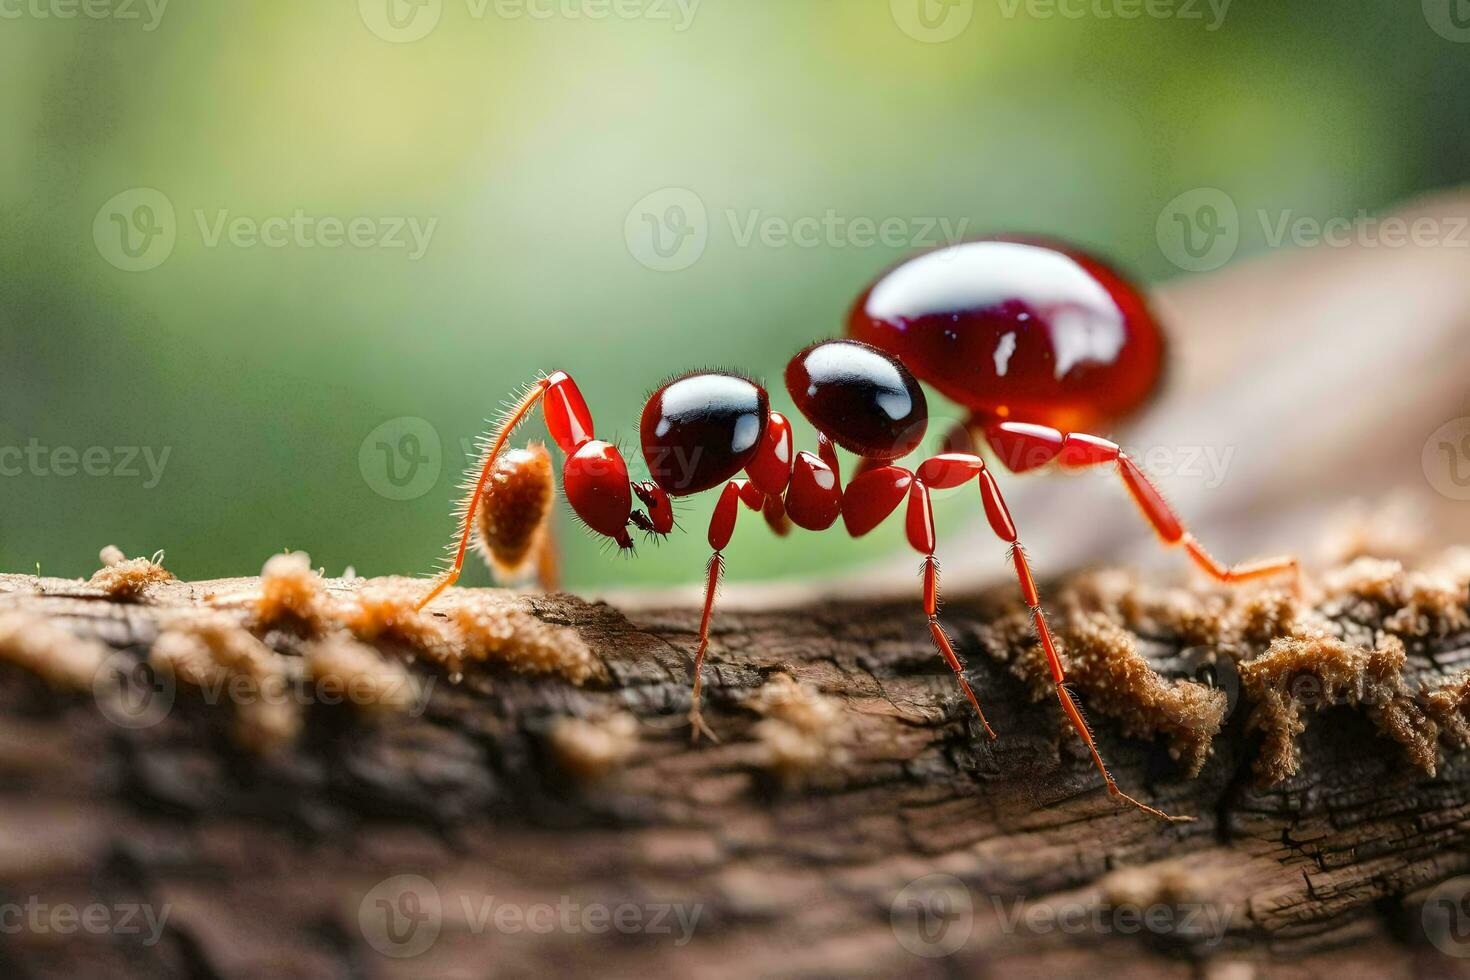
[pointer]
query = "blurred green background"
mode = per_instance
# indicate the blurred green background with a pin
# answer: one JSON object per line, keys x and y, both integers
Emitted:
{"x": 266, "y": 372}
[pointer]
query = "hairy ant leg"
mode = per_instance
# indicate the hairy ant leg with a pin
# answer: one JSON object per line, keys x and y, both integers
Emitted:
{"x": 595, "y": 476}
{"x": 1004, "y": 527}
{"x": 721, "y": 529}
{"x": 873, "y": 495}
{"x": 876, "y": 494}
{"x": 1022, "y": 446}
{"x": 940, "y": 473}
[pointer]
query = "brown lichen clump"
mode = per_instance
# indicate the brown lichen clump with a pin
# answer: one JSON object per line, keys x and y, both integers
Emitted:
{"x": 127, "y": 578}
{"x": 513, "y": 513}
{"x": 291, "y": 590}
{"x": 1117, "y": 680}
{"x": 1289, "y": 657}
{"x": 1415, "y": 603}
{"x": 801, "y": 728}
{"x": 1448, "y": 706}
{"x": 590, "y": 748}
{"x": 342, "y": 668}
{"x": 1240, "y": 621}
{"x": 225, "y": 662}
{"x": 388, "y": 612}
{"x": 64, "y": 661}
{"x": 506, "y": 634}
{"x": 479, "y": 628}
{"x": 1319, "y": 670}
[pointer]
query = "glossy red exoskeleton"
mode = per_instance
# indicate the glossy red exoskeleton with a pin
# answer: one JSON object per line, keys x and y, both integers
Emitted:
{"x": 1041, "y": 344}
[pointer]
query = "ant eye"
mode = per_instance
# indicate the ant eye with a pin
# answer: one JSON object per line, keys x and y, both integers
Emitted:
{"x": 699, "y": 431}
{"x": 864, "y": 399}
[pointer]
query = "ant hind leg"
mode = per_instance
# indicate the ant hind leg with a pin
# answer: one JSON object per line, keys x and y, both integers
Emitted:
{"x": 1022, "y": 447}
{"x": 955, "y": 469}
{"x": 920, "y": 526}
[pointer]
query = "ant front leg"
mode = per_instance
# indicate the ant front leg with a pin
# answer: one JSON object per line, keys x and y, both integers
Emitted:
{"x": 1023, "y": 446}
{"x": 570, "y": 423}
{"x": 721, "y": 529}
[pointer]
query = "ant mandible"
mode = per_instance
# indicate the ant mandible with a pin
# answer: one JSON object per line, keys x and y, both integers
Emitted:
{"x": 1041, "y": 343}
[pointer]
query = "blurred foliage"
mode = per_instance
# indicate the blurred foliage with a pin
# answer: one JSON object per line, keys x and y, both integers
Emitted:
{"x": 528, "y": 140}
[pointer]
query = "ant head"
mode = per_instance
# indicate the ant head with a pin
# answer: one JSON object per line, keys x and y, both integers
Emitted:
{"x": 862, "y": 398}
{"x": 595, "y": 479}
{"x": 701, "y": 429}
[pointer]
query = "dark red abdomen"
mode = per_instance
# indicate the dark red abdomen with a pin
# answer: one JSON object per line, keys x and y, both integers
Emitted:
{"x": 1025, "y": 330}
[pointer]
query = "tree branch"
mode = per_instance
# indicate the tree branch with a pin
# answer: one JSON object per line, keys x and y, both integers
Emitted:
{"x": 537, "y": 760}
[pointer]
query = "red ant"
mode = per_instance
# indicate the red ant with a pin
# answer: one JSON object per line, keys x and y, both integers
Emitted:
{"x": 1040, "y": 342}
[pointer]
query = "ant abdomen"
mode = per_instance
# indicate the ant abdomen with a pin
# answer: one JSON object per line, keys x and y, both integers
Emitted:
{"x": 1019, "y": 329}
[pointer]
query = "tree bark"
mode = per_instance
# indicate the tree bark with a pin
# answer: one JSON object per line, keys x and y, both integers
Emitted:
{"x": 801, "y": 844}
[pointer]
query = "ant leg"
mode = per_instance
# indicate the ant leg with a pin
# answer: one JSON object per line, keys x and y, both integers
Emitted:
{"x": 774, "y": 510}
{"x": 570, "y": 423}
{"x": 920, "y": 527}
{"x": 721, "y": 528}
{"x": 955, "y": 469}
{"x": 1005, "y": 529}
{"x": 548, "y": 561}
{"x": 1076, "y": 450}
{"x": 871, "y": 497}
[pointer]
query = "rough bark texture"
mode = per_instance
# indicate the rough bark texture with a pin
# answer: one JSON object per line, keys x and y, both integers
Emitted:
{"x": 272, "y": 863}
